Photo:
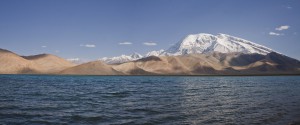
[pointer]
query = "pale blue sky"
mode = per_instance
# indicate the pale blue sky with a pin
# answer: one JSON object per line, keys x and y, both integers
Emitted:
{"x": 91, "y": 29}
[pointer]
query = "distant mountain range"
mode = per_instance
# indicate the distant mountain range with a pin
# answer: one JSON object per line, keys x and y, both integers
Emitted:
{"x": 122, "y": 58}
{"x": 199, "y": 44}
{"x": 198, "y": 54}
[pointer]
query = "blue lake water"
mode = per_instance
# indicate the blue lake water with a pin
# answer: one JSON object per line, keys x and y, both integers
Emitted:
{"x": 30, "y": 99}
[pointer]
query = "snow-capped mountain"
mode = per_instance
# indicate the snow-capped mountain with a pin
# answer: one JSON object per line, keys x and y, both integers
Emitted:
{"x": 204, "y": 43}
{"x": 199, "y": 43}
{"x": 155, "y": 53}
{"x": 122, "y": 58}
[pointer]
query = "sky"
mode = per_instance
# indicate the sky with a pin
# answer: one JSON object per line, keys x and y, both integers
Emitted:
{"x": 92, "y": 29}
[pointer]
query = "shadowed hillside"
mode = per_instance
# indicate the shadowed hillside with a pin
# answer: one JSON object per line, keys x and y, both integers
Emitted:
{"x": 50, "y": 63}
{"x": 213, "y": 64}
{"x": 91, "y": 68}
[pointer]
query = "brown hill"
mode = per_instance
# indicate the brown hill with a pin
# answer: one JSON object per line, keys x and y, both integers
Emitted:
{"x": 171, "y": 65}
{"x": 11, "y": 63}
{"x": 50, "y": 63}
{"x": 91, "y": 68}
{"x": 273, "y": 63}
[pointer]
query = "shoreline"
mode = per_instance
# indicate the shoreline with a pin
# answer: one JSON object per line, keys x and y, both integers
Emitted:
{"x": 242, "y": 75}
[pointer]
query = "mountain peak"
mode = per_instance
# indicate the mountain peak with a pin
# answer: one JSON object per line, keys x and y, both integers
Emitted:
{"x": 204, "y": 43}
{"x": 194, "y": 43}
{"x": 136, "y": 55}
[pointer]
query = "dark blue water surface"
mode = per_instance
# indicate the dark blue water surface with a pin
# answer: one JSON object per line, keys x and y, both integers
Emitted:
{"x": 29, "y": 99}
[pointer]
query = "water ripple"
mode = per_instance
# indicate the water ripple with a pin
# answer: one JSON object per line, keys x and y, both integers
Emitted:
{"x": 30, "y": 99}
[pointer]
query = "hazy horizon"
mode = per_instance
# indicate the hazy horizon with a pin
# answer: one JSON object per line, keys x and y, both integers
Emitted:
{"x": 94, "y": 29}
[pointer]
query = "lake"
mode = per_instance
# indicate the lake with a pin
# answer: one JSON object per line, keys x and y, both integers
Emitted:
{"x": 38, "y": 99}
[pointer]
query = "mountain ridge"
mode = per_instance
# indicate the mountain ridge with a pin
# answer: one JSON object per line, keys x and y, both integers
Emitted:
{"x": 201, "y": 43}
{"x": 196, "y": 54}
{"x": 214, "y": 63}
{"x": 122, "y": 58}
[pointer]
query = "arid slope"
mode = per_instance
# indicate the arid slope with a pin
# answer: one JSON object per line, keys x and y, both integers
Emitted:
{"x": 91, "y": 68}
{"x": 213, "y": 64}
{"x": 11, "y": 63}
{"x": 50, "y": 63}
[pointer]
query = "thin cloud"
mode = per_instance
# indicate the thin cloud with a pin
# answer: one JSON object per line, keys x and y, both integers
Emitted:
{"x": 73, "y": 59}
{"x": 57, "y": 51}
{"x": 125, "y": 43}
{"x": 285, "y": 27}
{"x": 88, "y": 45}
{"x": 288, "y": 6}
{"x": 275, "y": 34}
{"x": 150, "y": 43}
{"x": 43, "y": 46}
